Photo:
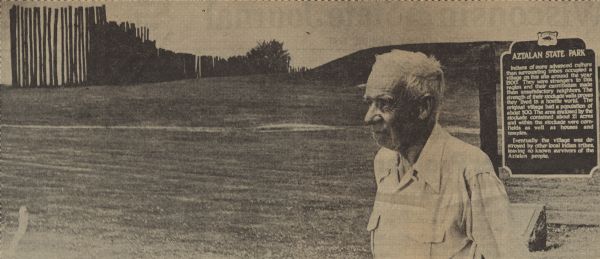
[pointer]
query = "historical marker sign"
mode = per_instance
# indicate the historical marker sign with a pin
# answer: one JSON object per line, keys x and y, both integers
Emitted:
{"x": 550, "y": 116}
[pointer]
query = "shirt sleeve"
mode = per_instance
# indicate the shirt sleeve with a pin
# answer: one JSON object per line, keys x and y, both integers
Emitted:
{"x": 489, "y": 220}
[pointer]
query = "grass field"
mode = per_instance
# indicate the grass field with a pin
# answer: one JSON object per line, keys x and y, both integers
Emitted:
{"x": 232, "y": 192}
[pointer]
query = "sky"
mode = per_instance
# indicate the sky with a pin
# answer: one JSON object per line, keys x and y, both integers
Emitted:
{"x": 318, "y": 32}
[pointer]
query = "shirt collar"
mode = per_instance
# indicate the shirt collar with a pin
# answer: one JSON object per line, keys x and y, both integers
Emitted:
{"x": 429, "y": 163}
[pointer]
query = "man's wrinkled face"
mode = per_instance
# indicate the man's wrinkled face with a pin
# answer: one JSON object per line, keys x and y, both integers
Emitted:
{"x": 390, "y": 115}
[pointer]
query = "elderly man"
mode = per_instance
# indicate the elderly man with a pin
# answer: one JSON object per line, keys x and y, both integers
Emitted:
{"x": 437, "y": 197}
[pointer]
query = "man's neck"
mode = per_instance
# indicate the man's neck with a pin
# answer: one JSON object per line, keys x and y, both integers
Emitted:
{"x": 413, "y": 149}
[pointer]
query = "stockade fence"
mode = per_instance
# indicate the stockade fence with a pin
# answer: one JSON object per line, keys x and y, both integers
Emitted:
{"x": 70, "y": 46}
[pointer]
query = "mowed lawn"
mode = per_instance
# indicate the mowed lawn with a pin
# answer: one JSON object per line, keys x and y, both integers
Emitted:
{"x": 143, "y": 194}
{"x": 233, "y": 192}
{"x": 230, "y": 102}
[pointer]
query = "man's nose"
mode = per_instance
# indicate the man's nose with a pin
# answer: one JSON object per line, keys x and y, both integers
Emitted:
{"x": 373, "y": 116}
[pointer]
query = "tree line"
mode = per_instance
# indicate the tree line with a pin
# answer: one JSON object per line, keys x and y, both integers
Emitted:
{"x": 267, "y": 57}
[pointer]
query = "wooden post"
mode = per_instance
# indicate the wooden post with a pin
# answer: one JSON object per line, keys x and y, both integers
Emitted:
{"x": 99, "y": 15}
{"x": 55, "y": 49}
{"x": 488, "y": 129}
{"x": 37, "y": 36}
{"x": 50, "y": 61}
{"x": 71, "y": 60}
{"x": 39, "y": 44}
{"x": 34, "y": 46}
{"x": 88, "y": 35}
{"x": 76, "y": 45}
{"x": 91, "y": 46}
{"x": 191, "y": 59}
{"x": 91, "y": 43}
{"x": 30, "y": 60}
{"x": 48, "y": 22}
{"x": 81, "y": 49}
{"x": 69, "y": 28}
{"x": 24, "y": 49}
{"x": 84, "y": 42}
{"x": 47, "y": 44}
{"x": 77, "y": 36}
{"x": 13, "y": 36}
{"x": 103, "y": 14}
{"x": 202, "y": 67}
{"x": 96, "y": 45}
{"x": 48, "y": 47}
{"x": 99, "y": 58}
{"x": 83, "y": 46}
{"x": 43, "y": 47}
{"x": 25, "y": 35}
{"x": 32, "y": 49}
{"x": 67, "y": 60}
{"x": 131, "y": 31}
{"x": 34, "y": 41}
{"x": 198, "y": 75}
{"x": 63, "y": 51}
{"x": 45, "y": 55}
{"x": 18, "y": 46}
{"x": 79, "y": 46}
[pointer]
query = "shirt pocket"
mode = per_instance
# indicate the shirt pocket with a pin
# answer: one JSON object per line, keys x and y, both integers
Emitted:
{"x": 426, "y": 234}
{"x": 421, "y": 225}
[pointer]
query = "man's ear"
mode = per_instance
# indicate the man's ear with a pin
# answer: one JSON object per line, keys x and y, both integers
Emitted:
{"x": 426, "y": 107}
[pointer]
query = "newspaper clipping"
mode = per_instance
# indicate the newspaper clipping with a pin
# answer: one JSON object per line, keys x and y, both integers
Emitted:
{"x": 294, "y": 129}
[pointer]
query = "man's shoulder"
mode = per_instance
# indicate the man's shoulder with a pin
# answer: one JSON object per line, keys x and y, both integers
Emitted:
{"x": 468, "y": 152}
{"x": 471, "y": 158}
{"x": 385, "y": 158}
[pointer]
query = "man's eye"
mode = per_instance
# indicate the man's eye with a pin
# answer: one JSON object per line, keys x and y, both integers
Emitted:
{"x": 385, "y": 104}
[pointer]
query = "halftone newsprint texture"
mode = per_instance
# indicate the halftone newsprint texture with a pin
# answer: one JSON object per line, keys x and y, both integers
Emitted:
{"x": 291, "y": 129}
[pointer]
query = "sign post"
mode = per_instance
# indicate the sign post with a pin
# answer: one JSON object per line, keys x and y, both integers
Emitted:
{"x": 549, "y": 107}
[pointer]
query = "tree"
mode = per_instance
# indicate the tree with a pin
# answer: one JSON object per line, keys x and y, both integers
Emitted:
{"x": 269, "y": 57}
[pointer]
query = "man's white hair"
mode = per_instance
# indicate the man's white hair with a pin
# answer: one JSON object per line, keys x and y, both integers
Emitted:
{"x": 413, "y": 73}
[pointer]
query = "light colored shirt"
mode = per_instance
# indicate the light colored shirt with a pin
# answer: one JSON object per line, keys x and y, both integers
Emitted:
{"x": 449, "y": 204}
